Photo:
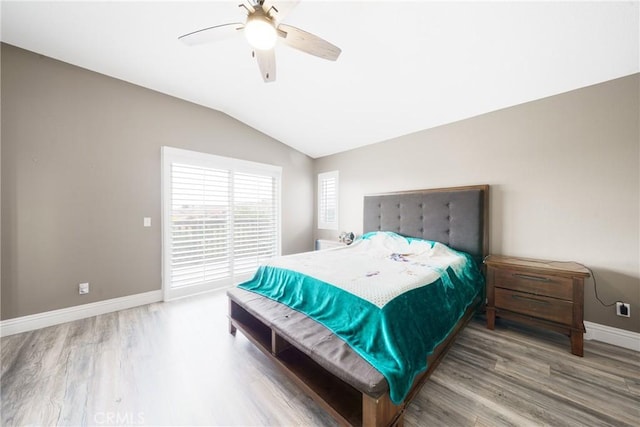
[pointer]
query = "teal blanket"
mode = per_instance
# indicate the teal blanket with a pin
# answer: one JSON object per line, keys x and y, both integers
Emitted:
{"x": 351, "y": 291}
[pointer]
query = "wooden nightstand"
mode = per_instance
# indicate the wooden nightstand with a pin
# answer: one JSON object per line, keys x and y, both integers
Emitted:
{"x": 547, "y": 294}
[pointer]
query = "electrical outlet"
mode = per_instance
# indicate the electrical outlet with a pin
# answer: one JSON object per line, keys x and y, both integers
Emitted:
{"x": 83, "y": 288}
{"x": 623, "y": 309}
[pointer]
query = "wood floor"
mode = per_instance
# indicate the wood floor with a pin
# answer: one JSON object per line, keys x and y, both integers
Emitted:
{"x": 176, "y": 364}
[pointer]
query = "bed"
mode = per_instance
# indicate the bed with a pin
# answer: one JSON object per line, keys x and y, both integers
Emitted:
{"x": 341, "y": 377}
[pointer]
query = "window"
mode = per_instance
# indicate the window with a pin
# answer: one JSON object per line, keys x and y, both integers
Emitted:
{"x": 328, "y": 200}
{"x": 221, "y": 220}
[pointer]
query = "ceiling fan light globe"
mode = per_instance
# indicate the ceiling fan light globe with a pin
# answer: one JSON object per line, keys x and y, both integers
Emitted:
{"x": 260, "y": 33}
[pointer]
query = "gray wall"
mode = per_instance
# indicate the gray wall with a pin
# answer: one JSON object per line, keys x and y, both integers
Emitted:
{"x": 564, "y": 177}
{"x": 80, "y": 165}
{"x": 81, "y": 168}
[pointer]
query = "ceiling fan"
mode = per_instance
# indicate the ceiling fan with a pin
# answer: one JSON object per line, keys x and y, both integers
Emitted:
{"x": 262, "y": 29}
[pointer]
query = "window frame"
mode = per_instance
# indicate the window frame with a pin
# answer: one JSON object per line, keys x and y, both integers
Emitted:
{"x": 170, "y": 155}
{"x": 322, "y": 223}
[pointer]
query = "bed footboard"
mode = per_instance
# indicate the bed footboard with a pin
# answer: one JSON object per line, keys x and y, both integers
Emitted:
{"x": 348, "y": 405}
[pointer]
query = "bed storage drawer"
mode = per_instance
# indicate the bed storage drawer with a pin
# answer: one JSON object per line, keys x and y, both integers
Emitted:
{"x": 542, "y": 307}
{"x": 534, "y": 283}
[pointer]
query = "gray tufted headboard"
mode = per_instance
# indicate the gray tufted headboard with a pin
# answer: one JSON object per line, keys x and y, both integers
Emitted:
{"x": 457, "y": 217}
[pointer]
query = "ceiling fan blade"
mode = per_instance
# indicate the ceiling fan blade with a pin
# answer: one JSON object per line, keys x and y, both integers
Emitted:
{"x": 267, "y": 64}
{"x": 215, "y": 33}
{"x": 307, "y": 42}
{"x": 249, "y": 5}
{"x": 280, "y": 8}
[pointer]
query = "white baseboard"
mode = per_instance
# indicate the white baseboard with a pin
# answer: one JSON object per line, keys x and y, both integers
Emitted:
{"x": 595, "y": 331}
{"x": 615, "y": 336}
{"x": 63, "y": 315}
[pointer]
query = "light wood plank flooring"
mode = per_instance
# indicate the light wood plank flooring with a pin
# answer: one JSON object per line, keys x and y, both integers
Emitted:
{"x": 176, "y": 364}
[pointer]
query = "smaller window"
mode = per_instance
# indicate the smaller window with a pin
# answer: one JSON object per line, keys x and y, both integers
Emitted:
{"x": 328, "y": 200}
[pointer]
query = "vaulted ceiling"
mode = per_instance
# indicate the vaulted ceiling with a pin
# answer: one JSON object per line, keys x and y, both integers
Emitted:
{"x": 404, "y": 67}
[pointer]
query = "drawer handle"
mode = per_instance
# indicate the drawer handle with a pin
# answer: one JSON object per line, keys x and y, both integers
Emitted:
{"x": 536, "y": 278}
{"x": 530, "y": 299}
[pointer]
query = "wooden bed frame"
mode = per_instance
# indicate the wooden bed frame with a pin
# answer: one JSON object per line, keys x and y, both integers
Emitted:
{"x": 345, "y": 403}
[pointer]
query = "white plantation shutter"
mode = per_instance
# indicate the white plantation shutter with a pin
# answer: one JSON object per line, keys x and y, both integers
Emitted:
{"x": 200, "y": 235}
{"x": 254, "y": 221}
{"x": 220, "y": 220}
{"x": 328, "y": 200}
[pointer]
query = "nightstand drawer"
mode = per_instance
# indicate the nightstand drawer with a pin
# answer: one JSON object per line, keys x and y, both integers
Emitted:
{"x": 539, "y": 284}
{"x": 538, "y": 306}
